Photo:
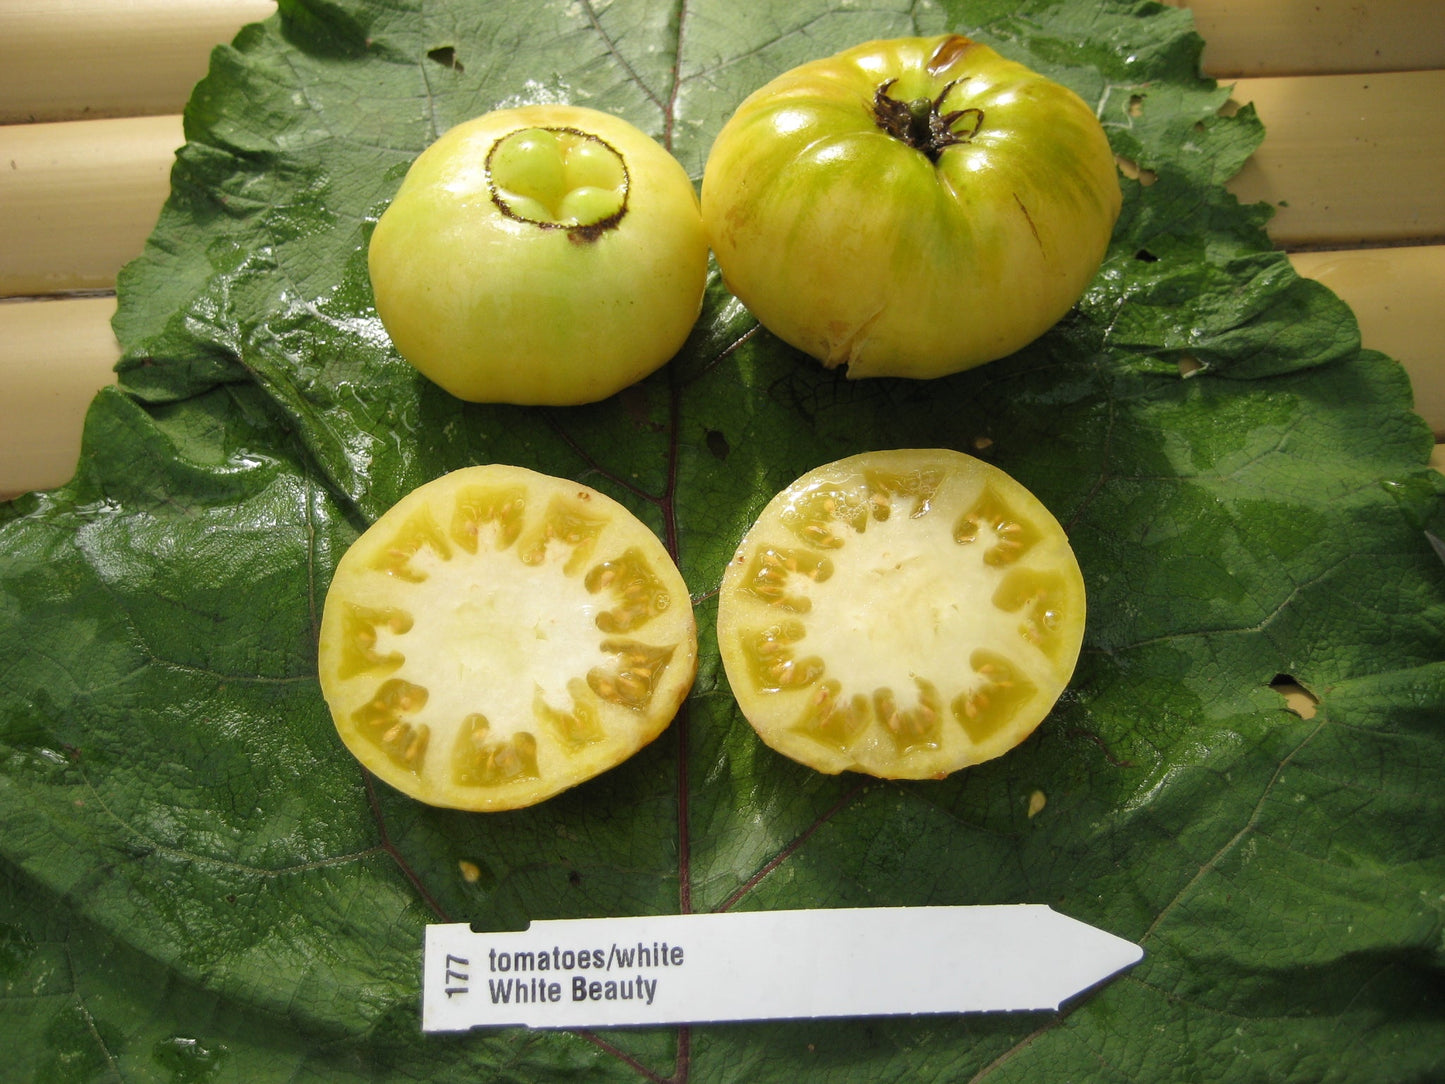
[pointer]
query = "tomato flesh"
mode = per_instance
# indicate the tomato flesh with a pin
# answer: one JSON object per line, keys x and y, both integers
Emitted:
{"x": 558, "y": 177}
{"x": 501, "y": 635}
{"x": 910, "y": 207}
{"x": 901, "y": 613}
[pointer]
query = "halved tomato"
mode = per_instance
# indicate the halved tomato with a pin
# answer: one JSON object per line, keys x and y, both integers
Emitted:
{"x": 500, "y": 635}
{"x": 901, "y": 613}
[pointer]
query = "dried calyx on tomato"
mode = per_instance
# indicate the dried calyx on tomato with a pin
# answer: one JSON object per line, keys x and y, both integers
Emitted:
{"x": 500, "y": 635}
{"x": 911, "y": 207}
{"x": 901, "y": 613}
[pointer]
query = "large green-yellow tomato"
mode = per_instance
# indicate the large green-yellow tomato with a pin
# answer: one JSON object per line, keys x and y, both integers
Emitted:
{"x": 911, "y": 207}
{"x": 548, "y": 254}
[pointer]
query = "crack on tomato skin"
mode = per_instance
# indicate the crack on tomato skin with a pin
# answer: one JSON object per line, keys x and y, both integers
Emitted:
{"x": 845, "y": 344}
{"x": 1030, "y": 220}
{"x": 949, "y": 51}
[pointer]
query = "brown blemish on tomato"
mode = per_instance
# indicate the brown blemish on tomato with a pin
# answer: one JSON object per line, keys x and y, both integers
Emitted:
{"x": 586, "y": 235}
{"x": 949, "y": 50}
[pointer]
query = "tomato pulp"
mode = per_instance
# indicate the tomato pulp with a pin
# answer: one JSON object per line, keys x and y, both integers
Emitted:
{"x": 904, "y": 613}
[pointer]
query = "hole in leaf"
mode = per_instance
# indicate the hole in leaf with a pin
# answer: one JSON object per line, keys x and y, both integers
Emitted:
{"x": 717, "y": 444}
{"x": 1297, "y": 698}
{"x": 1135, "y": 172}
{"x": 1189, "y": 365}
{"x": 446, "y": 56}
{"x": 1145, "y": 255}
{"x": 1136, "y": 104}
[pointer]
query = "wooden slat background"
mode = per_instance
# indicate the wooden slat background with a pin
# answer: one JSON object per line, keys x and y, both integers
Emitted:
{"x": 91, "y": 92}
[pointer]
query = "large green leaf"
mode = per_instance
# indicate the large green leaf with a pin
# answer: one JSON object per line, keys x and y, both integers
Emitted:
{"x": 199, "y": 882}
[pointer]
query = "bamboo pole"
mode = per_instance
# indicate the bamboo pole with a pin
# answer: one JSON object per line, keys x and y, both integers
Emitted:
{"x": 54, "y": 356}
{"x": 79, "y": 198}
{"x": 1348, "y": 159}
{"x": 69, "y": 59}
{"x": 1316, "y": 37}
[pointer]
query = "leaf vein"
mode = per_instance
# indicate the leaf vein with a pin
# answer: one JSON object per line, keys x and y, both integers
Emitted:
{"x": 1234, "y": 841}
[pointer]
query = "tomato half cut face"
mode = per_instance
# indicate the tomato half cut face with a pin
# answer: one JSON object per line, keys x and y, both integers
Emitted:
{"x": 901, "y": 613}
{"x": 911, "y": 207}
{"x": 500, "y": 635}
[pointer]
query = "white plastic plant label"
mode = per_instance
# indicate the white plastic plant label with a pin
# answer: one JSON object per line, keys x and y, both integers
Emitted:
{"x": 763, "y": 965}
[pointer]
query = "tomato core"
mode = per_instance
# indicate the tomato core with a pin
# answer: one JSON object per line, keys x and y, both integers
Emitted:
{"x": 558, "y": 178}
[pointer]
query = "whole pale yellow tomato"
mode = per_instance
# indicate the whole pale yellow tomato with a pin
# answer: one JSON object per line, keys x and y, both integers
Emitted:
{"x": 548, "y": 254}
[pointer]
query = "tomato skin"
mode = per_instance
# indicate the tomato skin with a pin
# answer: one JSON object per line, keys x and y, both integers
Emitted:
{"x": 855, "y": 247}
{"x": 495, "y": 308}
